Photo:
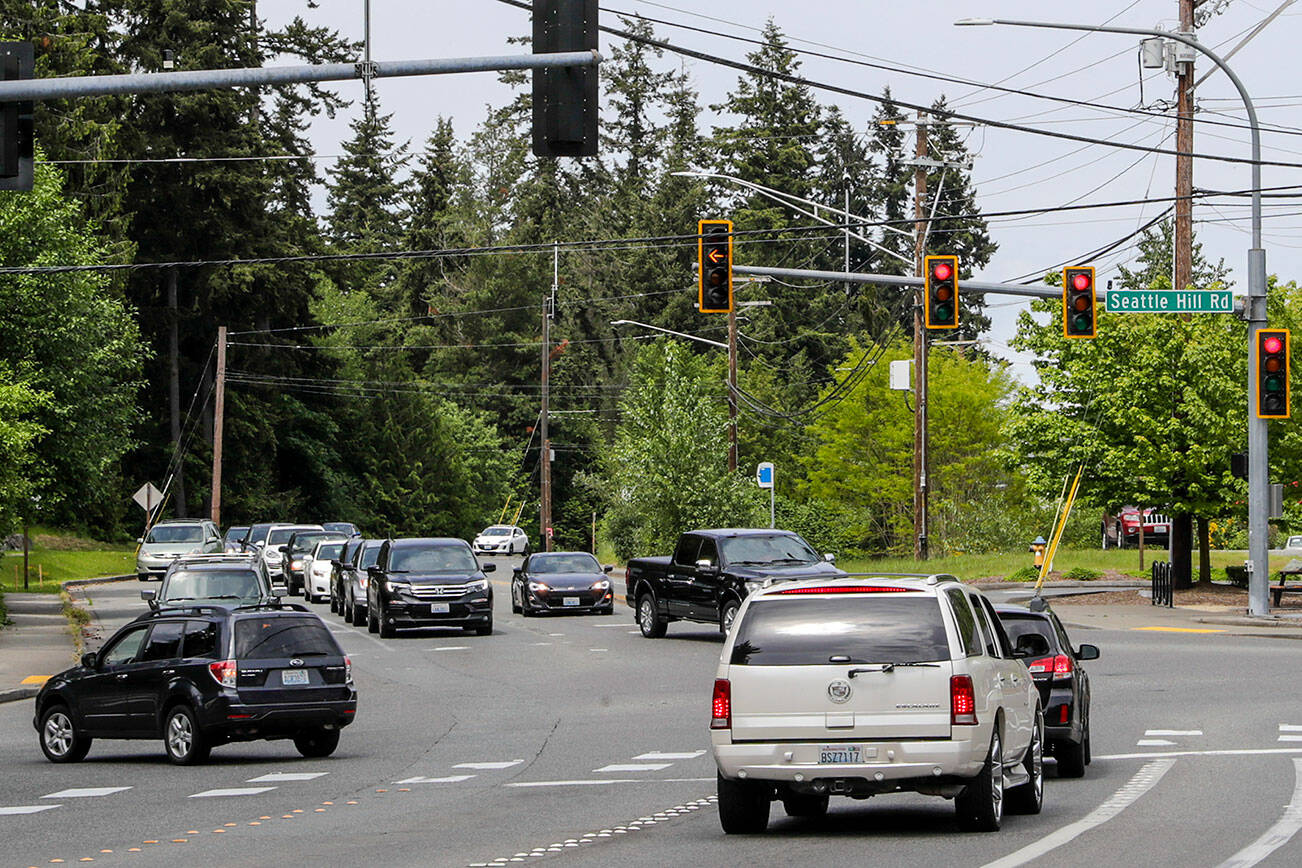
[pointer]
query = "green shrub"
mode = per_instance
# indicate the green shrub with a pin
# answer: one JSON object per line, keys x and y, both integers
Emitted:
{"x": 1025, "y": 574}
{"x": 1082, "y": 574}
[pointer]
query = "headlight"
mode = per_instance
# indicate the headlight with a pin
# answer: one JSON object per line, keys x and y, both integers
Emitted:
{"x": 296, "y": 565}
{"x": 395, "y": 587}
{"x": 477, "y": 585}
{"x": 601, "y": 585}
{"x": 538, "y": 586}
{"x": 752, "y": 587}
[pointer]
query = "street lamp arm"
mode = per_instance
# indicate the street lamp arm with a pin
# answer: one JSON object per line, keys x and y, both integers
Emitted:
{"x": 668, "y": 332}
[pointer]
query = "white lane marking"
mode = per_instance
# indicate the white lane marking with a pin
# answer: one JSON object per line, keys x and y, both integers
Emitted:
{"x": 541, "y": 643}
{"x": 1143, "y": 781}
{"x": 450, "y": 779}
{"x": 657, "y": 755}
{"x": 634, "y": 632}
{"x": 599, "y": 626}
{"x": 1171, "y": 732}
{"x": 633, "y": 767}
{"x": 27, "y": 809}
{"x": 362, "y": 634}
{"x": 451, "y": 648}
{"x": 555, "y": 634}
{"x": 232, "y": 791}
{"x": 276, "y": 777}
{"x": 1289, "y": 727}
{"x": 85, "y": 792}
{"x": 1290, "y": 738}
{"x": 1179, "y": 753}
{"x": 488, "y": 766}
{"x": 598, "y": 649}
{"x": 583, "y": 783}
{"x": 1154, "y": 742}
{"x": 1277, "y": 835}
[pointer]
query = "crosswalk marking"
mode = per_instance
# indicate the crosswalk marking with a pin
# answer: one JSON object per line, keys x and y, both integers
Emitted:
{"x": 1290, "y": 732}
{"x": 85, "y": 792}
{"x": 1277, "y": 835}
{"x": 633, "y": 767}
{"x": 450, "y": 779}
{"x": 231, "y": 791}
{"x": 657, "y": 755}
{"x": 27, "y": 809}
{"x": 277, "y": 777}
{"x": 491, "y": 766}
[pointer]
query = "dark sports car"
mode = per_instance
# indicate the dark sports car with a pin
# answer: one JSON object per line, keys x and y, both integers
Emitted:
{"x": 561, "y": 582}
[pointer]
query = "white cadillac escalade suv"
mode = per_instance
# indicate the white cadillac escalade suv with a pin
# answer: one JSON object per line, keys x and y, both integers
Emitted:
{"x": 862, "y": 686}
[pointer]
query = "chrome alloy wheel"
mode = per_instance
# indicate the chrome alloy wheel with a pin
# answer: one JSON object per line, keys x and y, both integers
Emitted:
{"x": 997, "y": 778}
{"x": 180, "y": 735}
{"x": 58, "y": 733}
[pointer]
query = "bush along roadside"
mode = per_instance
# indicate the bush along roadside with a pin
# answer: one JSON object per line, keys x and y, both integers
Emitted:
{"x": 78, "y": 618}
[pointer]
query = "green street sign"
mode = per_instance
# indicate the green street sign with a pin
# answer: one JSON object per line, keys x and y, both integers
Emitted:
{"x": 1165, "y": 301}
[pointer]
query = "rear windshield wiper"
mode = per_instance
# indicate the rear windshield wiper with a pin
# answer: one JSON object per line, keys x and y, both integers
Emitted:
{"x": 890, "y": 667}
{"x": 310, "y": 654}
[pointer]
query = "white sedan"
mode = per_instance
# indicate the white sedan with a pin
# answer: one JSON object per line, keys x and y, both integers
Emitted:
{"x": 501, "y": 539}
{"x": 316, "y": 569}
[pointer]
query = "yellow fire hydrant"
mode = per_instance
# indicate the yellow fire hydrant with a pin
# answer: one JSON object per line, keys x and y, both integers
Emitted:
{"x": 1038, "y": 546}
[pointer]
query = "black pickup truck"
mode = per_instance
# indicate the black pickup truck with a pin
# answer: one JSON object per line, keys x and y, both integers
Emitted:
{"x": 712, "y": 571}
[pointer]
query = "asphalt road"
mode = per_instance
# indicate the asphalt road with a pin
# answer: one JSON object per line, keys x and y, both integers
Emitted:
{"x": 576, "y": 741}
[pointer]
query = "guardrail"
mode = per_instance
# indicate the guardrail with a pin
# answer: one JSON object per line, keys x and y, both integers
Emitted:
{"x": 1163, "y": 585}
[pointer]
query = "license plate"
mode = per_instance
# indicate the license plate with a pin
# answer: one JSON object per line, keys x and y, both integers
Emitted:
{"x": 571, "y": 601}
{"x": 1161, "y": 528}
{"x": 440, "y": 608}
{"x": 293, "y": 676}
{"x": 841, "y": 754}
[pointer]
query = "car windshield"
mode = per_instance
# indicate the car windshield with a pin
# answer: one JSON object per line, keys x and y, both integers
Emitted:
{"x": 496, "y": 531}
{"x": 328, "y": 551}
{"x": 175, "y": 533}
{"x": 235, "y": 533}
{"x": 767, "y": 549}
{"x": 433, "y": 559}
{"x": 1017, "y": 626}
{"x": 304, "y": 542}
{"x": 567, "y": 563}
{"x": 344, "y": 527}
{"x": 1294, "y": 542}
{"x": 809, "y": 631}
{"x": 283, "y": 637}
{"x": 237, "y": 584}
{"x": 258, "y": 533}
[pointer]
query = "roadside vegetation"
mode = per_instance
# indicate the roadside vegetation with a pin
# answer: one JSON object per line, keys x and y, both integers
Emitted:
{"x": 57, "y": 557}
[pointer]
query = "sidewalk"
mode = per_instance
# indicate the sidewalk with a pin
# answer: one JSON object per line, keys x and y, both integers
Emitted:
{"x": 35, "y": 646}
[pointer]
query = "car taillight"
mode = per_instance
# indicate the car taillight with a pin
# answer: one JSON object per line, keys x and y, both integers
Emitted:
{"x": 348, "y": 669}
{"x": 721, "y": 712}
{"x": 962, "y": 701}
{"x": 223, "y": 672}
{"x": 1061, "y": 666}
{"x": 1058, "y": 667}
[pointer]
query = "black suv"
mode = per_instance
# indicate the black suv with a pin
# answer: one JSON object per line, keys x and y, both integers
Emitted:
{"x": 203, "y": 676}
{"x": 1063, "y": 684}
{"x": 428, "y": 582}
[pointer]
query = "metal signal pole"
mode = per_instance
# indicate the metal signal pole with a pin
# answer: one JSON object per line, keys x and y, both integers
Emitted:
{"x": 218, "y": 425}
{"x": 920, "y": 351}
{"x": 545, "y": 458}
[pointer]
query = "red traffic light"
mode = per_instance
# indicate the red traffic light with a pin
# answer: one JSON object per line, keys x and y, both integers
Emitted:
{"x": 1272, "y": 344}
{"x": 942, "y": 271}
{"x": 1080, "y": 281}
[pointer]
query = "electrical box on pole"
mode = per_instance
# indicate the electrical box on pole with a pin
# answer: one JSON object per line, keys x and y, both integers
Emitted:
{"x": 1272, "y": 374}
{"x": 565, "y": 98}
{"x": 16, "y": 136}
{"x": 940, "y": 274}
{"x": 714, "y": 252}
{"x": 1079, "y": 301}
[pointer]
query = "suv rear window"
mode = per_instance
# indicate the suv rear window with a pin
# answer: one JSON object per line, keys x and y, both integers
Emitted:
{"x": 893, "y": 628}
{"x": 260, "y": 638}
{"x": 1017, "y": 626}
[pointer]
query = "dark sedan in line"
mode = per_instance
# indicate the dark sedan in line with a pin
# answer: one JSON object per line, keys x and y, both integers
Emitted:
{"x": 561, "y": 582}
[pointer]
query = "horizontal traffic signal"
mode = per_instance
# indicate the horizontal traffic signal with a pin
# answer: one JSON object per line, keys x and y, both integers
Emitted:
{"x": 565, "y": 98}
{"x": 1078, "y": 302}
{"x": 940, "y": 275}
{"x": 714, "y": 252}
{"x": 1272, "y": 374}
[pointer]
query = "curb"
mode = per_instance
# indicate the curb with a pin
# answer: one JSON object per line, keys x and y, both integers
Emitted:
{"x": 17, "y": 694}
{"x": 102, "y": 580}
{"x": 1123, "y": 584}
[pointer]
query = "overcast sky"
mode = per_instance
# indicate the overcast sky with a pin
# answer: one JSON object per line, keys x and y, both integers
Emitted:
{"x": 1012, "y": 170}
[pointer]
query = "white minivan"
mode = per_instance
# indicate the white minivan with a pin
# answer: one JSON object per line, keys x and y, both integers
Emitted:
{"x": 869, "y": 685}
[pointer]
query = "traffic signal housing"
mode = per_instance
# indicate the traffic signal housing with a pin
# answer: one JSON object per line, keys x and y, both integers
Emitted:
{"x": 16, "y": 137}
{"x": 714, "y": 251}
{"x": 1272, "y": 374}
{"x": 941, "y": 279}
{"x": 564, "y": 97}
{"x": 1079, "y": 301}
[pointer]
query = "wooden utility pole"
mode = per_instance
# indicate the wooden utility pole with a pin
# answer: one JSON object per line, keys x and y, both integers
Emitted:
{"x": 920, "y": 351}
{"x": 545, "y": 458}
{"x": 218, "y": 423}
{"x": 732, "y": 388}
{"x": 174, "y": 391}
{"x": 1180, "y": 536}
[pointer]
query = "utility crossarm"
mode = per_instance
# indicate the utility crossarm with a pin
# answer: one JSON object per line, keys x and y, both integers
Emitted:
{"x": 209, "y": 79}
{"x": 906, "y": 282}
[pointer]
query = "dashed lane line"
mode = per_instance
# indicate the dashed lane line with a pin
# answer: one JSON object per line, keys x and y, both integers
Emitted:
{"x": 85, "y": 792}
{"x": 1143, "y": 781}
{"x": 592, "y": 782}
{"x": 450, "y": 779}
{"x": 1173, "y": 732}
{"x": 278, "y": 777}
{"x": 633, "y": 767}
{"x": 659, "y": 755}
{"x": 26, "y": 809}
{"x": 1277, "y": 835}
{"x": 489, "y": 766}
{"x": 1261, "y": 751}
{"x": 231, "y": 791}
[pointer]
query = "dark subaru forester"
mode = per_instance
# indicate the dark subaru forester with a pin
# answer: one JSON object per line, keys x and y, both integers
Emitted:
{"x": 201, "y": 676}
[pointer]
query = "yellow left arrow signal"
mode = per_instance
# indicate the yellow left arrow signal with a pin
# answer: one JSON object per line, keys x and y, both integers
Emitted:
{"x": 715, "y": 256}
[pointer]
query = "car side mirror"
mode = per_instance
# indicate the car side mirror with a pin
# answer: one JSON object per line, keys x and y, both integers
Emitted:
{"x": 284, "y": 550}
{"x": 149, "y": 595}
{"x": 706, "y": 566}
{"x": 488, "y": 568}
{"x": 607, "y": 568}
{"x": 260, "y": 543}
{"x": 1031, "y": 645}
{"x": 1087, "y": 652}
{"x": 830, "y": 558}
{"x": 90, "y": 659}
{"x": 280, "y": 591}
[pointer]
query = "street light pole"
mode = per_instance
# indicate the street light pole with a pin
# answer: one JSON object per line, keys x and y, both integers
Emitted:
{"x": 1258, "y": 472}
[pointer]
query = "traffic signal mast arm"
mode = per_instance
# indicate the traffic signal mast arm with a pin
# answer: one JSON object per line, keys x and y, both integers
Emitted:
{"x": 1053, "y": 292}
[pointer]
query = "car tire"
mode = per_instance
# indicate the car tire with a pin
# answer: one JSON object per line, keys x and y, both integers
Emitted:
{"x": 485, "y": 629}
{"x": 61, "y": 738}
{"x": 980, "y": 807}
{"x": 728, "y": 614}
{"x": 649, "y": 621}
{"x": 743, "y": 806}
{"x": 516, "y": 608}
{"x": 357, "y": 615}
{"x": 1086, "y": 738}
{"x": 609, "y": 610}
{"x": 372, "y": 620}
{"x": 804, "y": 804}
{"x": 317, "y": 743}
{"x": 334, "y": 601}
{"x": 1029, "y": 797}
{"x": 184, "y": 742}
{"x": 1071, "y": 758}
{"x": 387, "y": 630}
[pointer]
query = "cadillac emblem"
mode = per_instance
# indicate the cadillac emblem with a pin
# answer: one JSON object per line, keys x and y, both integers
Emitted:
{"x": 839, "y": 691}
